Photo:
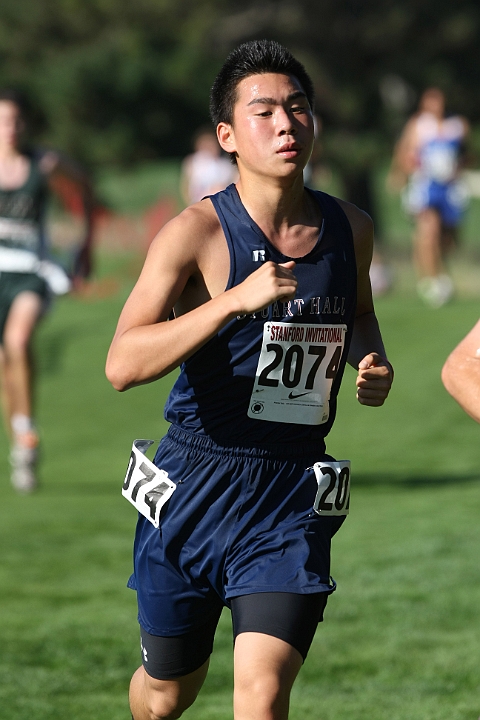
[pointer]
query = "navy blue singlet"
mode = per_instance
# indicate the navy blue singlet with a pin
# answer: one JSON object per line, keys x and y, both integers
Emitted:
{"x": 212, "y": 393}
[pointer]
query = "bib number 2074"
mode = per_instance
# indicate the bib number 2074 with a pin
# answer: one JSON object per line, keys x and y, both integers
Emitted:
{"x": 333, "y": 494}
{"x": 145, "y": 486}
{"x": 296, "y": 369}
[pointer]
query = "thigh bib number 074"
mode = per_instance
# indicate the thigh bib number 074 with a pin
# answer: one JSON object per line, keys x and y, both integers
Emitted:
{"x": 145, "y": 486}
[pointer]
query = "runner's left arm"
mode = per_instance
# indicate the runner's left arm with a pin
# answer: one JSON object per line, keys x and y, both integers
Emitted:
{"x": 367, "y": 351}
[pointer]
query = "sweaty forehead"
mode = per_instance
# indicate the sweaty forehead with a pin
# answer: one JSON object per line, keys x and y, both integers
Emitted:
{"x": 267, "y": 85}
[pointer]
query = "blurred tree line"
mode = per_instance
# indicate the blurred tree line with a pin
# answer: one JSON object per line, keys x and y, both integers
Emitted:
{"x": 116, "y": 81}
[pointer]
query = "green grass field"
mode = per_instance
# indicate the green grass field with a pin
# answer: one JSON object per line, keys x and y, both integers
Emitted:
{"x": 400, "y": 640}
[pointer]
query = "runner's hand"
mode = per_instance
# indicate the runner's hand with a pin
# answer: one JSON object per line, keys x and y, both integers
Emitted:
{"x": 269, "y": 283}
{"x": 374, "y": 380}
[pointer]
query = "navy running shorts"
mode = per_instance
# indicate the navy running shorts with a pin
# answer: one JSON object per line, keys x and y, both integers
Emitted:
{"x": 450, "y": 200}
{"x": 239, "y": 522}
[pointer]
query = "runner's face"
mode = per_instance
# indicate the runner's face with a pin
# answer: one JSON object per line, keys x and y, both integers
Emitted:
{"x": 434, "y": 103}
{"x": 10, "y": 124}
{"x": 272, "y": 129}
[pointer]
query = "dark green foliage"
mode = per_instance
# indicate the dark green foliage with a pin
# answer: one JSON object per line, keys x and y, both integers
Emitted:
{"x": 117, "y": 81}
{"x": 112, "y": 81}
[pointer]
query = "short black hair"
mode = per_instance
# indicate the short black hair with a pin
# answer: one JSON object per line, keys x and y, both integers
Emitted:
{"x": 256, "y": 57}
{"x": 16, "y": 97}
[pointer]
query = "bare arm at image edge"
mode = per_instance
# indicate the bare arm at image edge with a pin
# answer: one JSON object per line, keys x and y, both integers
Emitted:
{"x": 461, "y": 373}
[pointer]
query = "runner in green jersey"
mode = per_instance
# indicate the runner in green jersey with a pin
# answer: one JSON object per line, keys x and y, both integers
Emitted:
{"x": 27, "y": 277}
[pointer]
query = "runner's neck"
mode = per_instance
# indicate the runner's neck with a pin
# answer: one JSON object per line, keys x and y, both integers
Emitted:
{"x": 14, "y": 169}
{"x": 289, "y": 217}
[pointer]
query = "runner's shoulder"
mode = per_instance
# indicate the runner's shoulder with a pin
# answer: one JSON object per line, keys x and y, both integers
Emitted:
{"x": 191, "y": 231}
{"x": 360, "y": 221}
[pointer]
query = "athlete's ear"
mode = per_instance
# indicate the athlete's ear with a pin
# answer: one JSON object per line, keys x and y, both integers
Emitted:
{"x": 226, "y": 137}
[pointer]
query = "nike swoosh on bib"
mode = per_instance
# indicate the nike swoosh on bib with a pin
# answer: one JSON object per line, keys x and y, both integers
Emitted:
{"x": 291, "y": 396}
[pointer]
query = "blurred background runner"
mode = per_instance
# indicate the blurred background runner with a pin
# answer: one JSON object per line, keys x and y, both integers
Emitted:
{"x": 206, "y": 171}
{"x": 28, "y": 276}
{"x": 429, "y": 155}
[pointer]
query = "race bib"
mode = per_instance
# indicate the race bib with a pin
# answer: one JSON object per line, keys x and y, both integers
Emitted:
{"x": 333, "y": 494}
{"x": 145, "y": 486}
{"x": 295, "y": 372}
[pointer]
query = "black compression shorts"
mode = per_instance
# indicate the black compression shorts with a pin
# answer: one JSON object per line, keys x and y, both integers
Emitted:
{"x": 288, "y": 616}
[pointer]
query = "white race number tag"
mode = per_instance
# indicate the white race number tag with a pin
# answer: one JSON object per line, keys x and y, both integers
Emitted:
{"x": 145, "y": 486}
{"x": 295, "y": 372}
{"x": 333, "y": 494}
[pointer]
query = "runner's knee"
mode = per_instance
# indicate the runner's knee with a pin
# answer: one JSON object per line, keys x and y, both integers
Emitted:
{"x": 22, "y": 318}
{"x": 265, "y": 692}
{"x": 168, "y": 703}
{"x": 166, "y": 699}
{"x": 16, "y": 340}
{"x": 264, "y": 687}
{"x": 16, "y": 343}
{"x": 429, "y": 224}
{"x": 265, "y": 669}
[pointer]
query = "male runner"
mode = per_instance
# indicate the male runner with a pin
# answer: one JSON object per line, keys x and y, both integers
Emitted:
{"x": 429, "y": 153}
{"x": 27, "y": 277}
{"x": 205, "y": 171}
{"x": 269, "y": 283}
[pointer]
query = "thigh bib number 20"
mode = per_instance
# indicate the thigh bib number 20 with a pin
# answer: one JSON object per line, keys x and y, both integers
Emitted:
{"x": 333, "y": 494}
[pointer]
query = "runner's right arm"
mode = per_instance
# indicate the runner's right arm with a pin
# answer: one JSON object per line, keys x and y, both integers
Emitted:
{"x": 181, "y": 265}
